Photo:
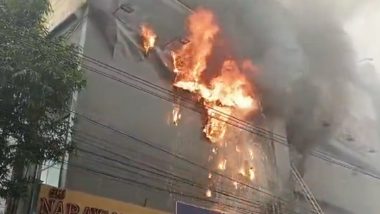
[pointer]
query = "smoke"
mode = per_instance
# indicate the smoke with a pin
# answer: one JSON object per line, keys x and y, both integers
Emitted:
{"x": 321, "y": 101}
{"x": 306, "y": 60}
{"x": 307, "y": 65}
{"x": 318, "y": 101}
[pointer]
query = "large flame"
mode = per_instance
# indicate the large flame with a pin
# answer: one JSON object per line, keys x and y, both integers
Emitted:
{"x": 224, "y": 93}
{"x": 190, "y": 59}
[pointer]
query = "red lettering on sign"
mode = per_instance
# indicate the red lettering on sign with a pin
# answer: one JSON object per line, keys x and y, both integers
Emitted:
{"x": 46, "y": 205}
{"x": 72, "y": 208}
{"x": 92, "y": 210}
{"x": 57, "y": 193}
{"x": 59, "y": 208}
{"x": 103, "y": 211}
{"x": 86, "y": 210}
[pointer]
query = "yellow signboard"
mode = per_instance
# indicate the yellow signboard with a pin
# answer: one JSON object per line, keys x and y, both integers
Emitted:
{"x": 62, "y": 201}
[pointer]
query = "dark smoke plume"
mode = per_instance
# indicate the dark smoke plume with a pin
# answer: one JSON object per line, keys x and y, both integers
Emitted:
{"x": 306, "y": 60}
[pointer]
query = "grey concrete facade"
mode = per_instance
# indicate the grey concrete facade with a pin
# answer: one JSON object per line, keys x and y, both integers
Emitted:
{"x": 118, "y": 124}
{"x": 128, "y": 116}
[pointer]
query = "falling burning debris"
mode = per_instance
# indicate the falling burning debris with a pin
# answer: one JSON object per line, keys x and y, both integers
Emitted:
{"x": 222, "y": 165}
{"x": 214, "y": 150}
{"x": 208, "y": 193}
{"x": 251, "y": 154}
{"x": 235, "y": 183}
{"x": 242, "y": 172}
{"x": 251, "y": 173}
{"x": 237, "y": 149}
{"x": 247, "y": 171}
{"x": 148, "y": 38}
{"x": 176, "y": 114}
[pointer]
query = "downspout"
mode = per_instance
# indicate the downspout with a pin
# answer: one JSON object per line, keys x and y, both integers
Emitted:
{"x": 65, "y": 158}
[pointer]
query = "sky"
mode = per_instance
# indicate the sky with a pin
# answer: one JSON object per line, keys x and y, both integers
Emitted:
{"x": 364, "y": 29}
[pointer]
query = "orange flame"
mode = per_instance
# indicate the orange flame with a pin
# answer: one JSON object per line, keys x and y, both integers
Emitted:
{"x": 223, "y": 94}
{"x": 227, "y": 94}
{"x": 190, "y": 59}
{"x": 148, "y": 37}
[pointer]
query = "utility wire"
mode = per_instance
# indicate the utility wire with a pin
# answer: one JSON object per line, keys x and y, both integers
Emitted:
{"x": 128, "y": 75}
{"x": 182, "y": 194}
{"x": 180, "y": 157}
{"x": 272, "y": 136}
{"x": 153, "y": 146}
{"x": 167, "y": 175}
{"x": 314, "y": 153}
{"x": 239, "y": 123}
{"x": 162, "y": 89}
{"x": 158, "y": 188}
{"x": 84, "y": 140}
{"x": 172, "y": 99}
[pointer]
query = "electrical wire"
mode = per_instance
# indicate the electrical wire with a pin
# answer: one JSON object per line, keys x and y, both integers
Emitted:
{"x": 259, "y": 130}
{"x": 132, "y": 77}
{"x": 84, "y": 140}
{"x": 278, "y": 199}
{"x": 153, "y": 146}
{"x": 281, "y": 139}
{"x": 272, "y": 137}
{"x": 159, "y": 188}
{"x": 168, "y": 176}
{"x": 314, "y": 153}
{"x": 320, "y": 155}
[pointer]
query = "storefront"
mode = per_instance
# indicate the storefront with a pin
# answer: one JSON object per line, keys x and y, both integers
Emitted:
{"x": 62, "y": 201}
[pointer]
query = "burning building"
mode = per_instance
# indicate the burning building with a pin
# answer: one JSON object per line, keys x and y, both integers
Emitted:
{"x": 177, "y": 109}
{"x": 168, "y": 125}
